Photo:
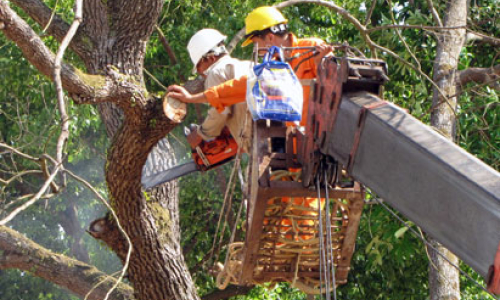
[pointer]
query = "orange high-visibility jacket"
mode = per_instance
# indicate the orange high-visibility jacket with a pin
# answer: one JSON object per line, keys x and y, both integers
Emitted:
{"x": 234, "y": 91}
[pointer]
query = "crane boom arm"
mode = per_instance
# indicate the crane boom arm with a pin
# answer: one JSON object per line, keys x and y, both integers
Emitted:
{"x": 448, "y": 192}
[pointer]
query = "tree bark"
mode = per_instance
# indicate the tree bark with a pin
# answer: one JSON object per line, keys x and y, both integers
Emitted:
{"x": 21, "y": 253}
{"x": 149, "y": 218}
{"x": 480, "y": 75}
{"x": 112, "y": 42}
{"x": 443, "y": 277}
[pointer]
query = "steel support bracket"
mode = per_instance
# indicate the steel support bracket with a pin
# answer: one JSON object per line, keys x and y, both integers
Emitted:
{"x": 322, "y": 111}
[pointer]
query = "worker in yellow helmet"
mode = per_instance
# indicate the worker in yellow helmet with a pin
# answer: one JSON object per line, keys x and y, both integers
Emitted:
{"x": 263, "y": 19}
{"x": 268, "y": 27}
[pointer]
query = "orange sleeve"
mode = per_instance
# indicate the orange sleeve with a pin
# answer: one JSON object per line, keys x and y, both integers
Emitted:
{"x": 228, "y": 93}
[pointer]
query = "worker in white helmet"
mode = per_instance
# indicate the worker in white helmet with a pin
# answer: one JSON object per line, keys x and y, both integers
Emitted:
{"x": 212, "y": 61}
{"x": 266, "y": 26}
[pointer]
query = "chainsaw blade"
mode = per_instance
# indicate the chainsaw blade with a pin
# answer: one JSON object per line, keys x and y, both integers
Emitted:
{"x": 167, "y": 175}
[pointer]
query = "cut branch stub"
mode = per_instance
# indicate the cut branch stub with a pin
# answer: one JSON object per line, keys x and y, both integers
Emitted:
{"x": 106, "y": 230}
{"x": 174, "y": 109}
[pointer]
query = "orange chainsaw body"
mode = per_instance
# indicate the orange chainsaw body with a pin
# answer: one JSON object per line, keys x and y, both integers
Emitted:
{"x": 208, "y": 155}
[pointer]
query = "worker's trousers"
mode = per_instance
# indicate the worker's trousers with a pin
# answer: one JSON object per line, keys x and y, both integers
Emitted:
{"x": 238, "y": 120}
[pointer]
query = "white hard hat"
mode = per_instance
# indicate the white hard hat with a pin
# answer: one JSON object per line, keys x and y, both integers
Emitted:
{"x": 202, "y": 42}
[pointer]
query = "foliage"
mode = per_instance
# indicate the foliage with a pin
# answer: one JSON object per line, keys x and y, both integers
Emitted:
{"x": 20, "y": 285}
{"x": 386, "y": 266}
{"x": 389, "y": 263}
{"x": 29, "y": 121}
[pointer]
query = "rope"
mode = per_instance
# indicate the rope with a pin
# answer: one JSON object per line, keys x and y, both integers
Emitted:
{"x": 295, "y": 275}
{"x": 228, "y": 200}
{"x": 289, "y": 242}
{"x": 231, "y": 254}
{"x": 231, "y": 186}
{"x": 221, "y": 214}
{"x": 322, "y": 273}
{"x": 230, "y": 270}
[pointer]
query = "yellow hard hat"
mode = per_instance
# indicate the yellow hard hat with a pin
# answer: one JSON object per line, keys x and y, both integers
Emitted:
{"x": 261, "y": 18}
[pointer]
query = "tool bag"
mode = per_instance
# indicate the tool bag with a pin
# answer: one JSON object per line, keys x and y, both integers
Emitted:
{"x": 273, "y": 90}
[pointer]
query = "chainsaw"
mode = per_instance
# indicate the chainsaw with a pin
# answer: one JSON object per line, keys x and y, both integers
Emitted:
{"x": 206, "y": 156}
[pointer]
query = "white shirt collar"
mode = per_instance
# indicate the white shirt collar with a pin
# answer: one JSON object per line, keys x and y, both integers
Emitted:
{"x": 220, "y": 61}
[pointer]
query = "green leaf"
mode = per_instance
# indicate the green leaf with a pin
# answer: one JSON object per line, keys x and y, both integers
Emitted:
{"x": 400, "y": 232}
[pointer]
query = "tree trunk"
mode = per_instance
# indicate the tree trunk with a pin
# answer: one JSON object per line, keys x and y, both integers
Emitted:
{"x": 151, "y": 219}
{"x": 111, "y": 42}
{"x": 157, "y": 269}
{"x": 443, "y": 277}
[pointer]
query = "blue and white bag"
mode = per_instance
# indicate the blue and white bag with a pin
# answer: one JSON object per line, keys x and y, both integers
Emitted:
{"x": 273, "y": 90}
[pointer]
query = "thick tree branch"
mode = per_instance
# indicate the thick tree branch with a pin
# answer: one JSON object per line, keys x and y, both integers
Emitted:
{"x": 473, "y": 36}
{"x": 58, "y": 28}
{"x": 145, "y": 12}
{"x": 21, "y": 253}
{"x": 106, "y": 230}
{"x": 479, "y": 75}
{"x": 34, "y": 49}
{"x": 85, "y": 88}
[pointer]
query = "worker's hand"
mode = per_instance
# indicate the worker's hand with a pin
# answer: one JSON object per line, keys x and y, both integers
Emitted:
{"x": 179, "y": 93}
{"x": 322, "y": 50}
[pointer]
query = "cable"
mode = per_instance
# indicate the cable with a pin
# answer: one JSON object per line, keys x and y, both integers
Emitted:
{"x": 329, "y": 238}
{"x": 328, "y": 248}
{"x": 321, "y": 245}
